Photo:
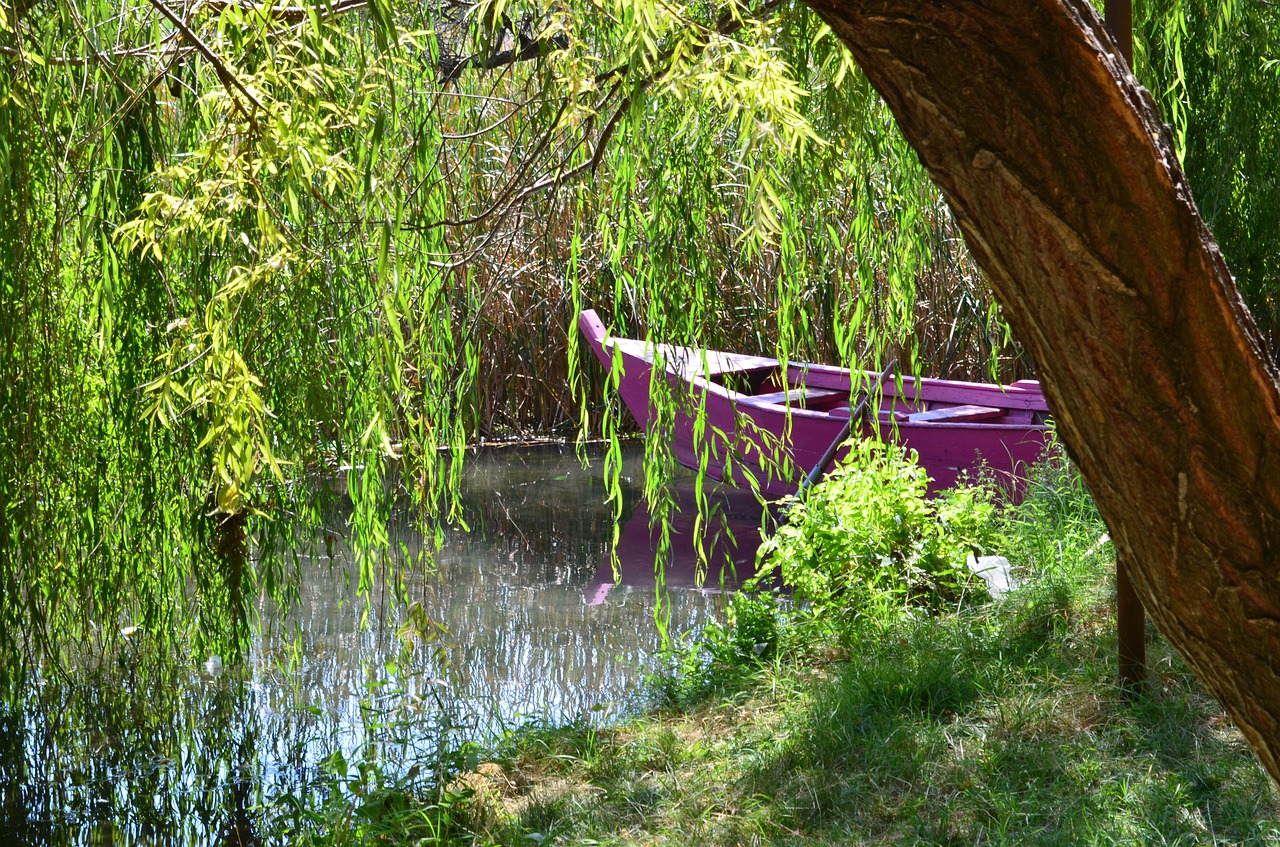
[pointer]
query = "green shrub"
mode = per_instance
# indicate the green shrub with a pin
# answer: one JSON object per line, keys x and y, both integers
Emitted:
{"x": 722, "y": 656}
{"x": 867, "y": 535}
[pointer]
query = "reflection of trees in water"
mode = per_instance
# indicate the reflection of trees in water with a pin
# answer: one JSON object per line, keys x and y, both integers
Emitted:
{"x": 511, "y": 594}
{"x": 541, "y": 507}
{"x": 127, "y": 756}
{"x": 155, "y": 754}
{"x": 545, "y": 652}
{"x": 143, "y": 751}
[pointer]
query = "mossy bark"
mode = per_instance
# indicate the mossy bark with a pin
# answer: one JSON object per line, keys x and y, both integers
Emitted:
{"x": 1066, "y": 185}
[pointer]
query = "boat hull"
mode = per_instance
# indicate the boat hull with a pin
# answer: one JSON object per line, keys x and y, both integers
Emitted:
{"x": 747, "y": 416}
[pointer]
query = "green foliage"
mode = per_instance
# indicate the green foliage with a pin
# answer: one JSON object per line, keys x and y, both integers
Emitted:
{"x": 752, "y": 623}
{"x": 381, "y": 793}
{"x": 863, "y": 547}
{"x": 748, "y": 636}
{"x": 244, "y": 246}
{"x": 867, "y": 536}
{"x": 364, "y": 802}
{"x": 1214, "y": 68}
{"x": 993, "y": 723}
{"x": 723, "y": 655}
{"x": 207, "y": 311}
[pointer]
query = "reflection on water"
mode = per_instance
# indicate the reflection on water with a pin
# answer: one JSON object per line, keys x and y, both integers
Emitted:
{"x": 533, "y": 626}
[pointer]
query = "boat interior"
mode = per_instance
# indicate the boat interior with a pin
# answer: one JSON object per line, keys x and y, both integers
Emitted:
{"x": 825, "y": 389}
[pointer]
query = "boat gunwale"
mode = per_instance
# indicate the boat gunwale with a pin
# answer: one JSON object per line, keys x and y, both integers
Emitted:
{"x": 915, "y": 388}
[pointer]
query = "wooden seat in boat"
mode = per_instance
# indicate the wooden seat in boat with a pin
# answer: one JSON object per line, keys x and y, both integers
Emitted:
{"x": 795, "y": 396}
{"x": 956, "y": 414}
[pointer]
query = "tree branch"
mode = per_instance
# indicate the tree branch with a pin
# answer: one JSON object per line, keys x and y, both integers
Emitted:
{"x": 510, "y": 197}
{"x": 512, "y": 45}
{"x": 725, "y": 25}
{"x": 228, "y": 79}
{"x": 119, "y": 53}
{"x": 290, "y": 14}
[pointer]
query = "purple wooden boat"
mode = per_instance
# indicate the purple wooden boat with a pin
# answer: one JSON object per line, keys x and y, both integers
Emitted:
{"x": 748, "y": 413}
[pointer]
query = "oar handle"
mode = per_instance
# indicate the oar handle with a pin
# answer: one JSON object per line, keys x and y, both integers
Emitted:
{"x": 854, "y": 414}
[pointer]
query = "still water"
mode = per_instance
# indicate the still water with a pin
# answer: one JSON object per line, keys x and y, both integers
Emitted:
{"x": 524, "y": 619}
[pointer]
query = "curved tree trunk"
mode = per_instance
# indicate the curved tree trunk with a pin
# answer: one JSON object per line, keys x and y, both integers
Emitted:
{"x": 1067, "y": 188}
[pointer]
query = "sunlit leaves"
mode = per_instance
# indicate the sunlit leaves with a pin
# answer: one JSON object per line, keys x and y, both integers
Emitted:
{"x": 868, "y": 535}
{"x": 1211, "y": 67}
{"x": 386, "y": 252}
{"x": 230, "y": 195}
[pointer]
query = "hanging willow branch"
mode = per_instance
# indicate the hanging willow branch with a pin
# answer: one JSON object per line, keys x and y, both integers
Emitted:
{"x": 101, "y": 57}
{"x": 229, "y": 80}
{"x": 387, "y": 264}
{"x": 634, "y": 80}
{"x": 289, "y": 14}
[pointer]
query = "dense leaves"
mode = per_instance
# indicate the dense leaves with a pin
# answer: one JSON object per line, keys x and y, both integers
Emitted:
{"x": 247, "y": 246}
{"x": 1215, "y": 68}
{"x": 867, "y": 535}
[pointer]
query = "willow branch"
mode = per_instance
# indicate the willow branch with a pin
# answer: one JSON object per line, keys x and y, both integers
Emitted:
{"x": 512, "y": 196}
{"x": 225, "y": 76}
{"x": 503, "y": 204}
{"x": 725, "y": 25}
{"x": 522, "y": 49}
{"x": 97, "y": 54}
{"x": 291, "y": 14}
{"x": 503, "y": 209}
{"x": 589, "y": 166}
{"x": 100, "y": 56}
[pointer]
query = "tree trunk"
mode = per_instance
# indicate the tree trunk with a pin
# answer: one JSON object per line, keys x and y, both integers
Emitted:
{"x": 1065, "y": 183}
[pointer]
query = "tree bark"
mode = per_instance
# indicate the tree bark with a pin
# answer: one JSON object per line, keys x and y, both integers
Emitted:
{"x": 1065, "y": 183}
{"x": 1131, "y": 623}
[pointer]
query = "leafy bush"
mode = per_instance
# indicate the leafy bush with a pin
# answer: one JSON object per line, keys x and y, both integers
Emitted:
{"x": 721, "y": 656}
{"x": 868, "y": 533}
{"x": 866, "y": 543}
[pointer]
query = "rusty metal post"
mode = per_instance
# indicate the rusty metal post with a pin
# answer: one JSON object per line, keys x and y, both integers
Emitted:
{"x": 1131, "y": 631}
{"x": 1131, "y": 623}
{"x": 1119, "y": 14}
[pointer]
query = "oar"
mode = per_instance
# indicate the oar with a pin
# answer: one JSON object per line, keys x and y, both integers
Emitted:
{"x": 855, "y": 414}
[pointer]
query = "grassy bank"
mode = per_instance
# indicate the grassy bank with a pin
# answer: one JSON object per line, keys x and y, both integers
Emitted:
{"x": 998, "y": 727}
{"x": 896, "y": 718}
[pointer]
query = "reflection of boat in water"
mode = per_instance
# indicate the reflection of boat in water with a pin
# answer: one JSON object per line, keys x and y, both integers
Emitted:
{"x": 730, "y": 537}
{"x": 756, "y": 408}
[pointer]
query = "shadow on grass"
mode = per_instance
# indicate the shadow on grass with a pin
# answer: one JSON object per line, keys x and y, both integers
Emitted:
{"x": 1009, "y": 730}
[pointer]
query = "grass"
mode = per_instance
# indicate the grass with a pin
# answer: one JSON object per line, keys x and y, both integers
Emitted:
{"x": 991, "y": 723}
{"x": 998, "y": 723}
{"x": 999, "y": 727}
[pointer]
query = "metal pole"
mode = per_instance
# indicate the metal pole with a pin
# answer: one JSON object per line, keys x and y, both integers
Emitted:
{"x": 1131, "y": 628}
{"x": 1119, "y": 15}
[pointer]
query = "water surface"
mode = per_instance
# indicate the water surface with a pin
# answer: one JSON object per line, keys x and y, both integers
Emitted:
{"x": 524, "y": 618}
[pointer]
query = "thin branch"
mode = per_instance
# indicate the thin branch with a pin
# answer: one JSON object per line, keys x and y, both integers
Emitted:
{"x": 228, "y": 79}
{"x": 589, "y": 166}
{"x": 97, "y": 54}
{"x": 510, "y": 197}
{"x": 467, "y": 136}
{"x": 100, "y": 56}
{"x": 726, "y": 24}
{"x": 504, "y": 202}
{"x": 513, "y": 45}
{"x": 291, "y": 14}
{"x": 503, "y": 209}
